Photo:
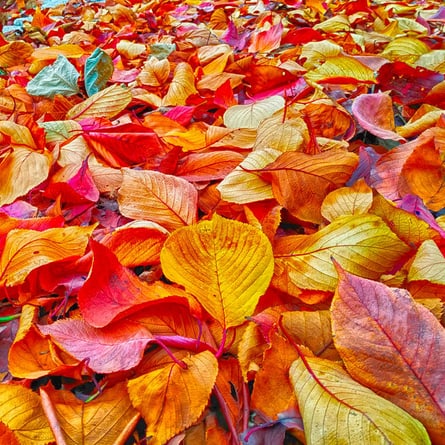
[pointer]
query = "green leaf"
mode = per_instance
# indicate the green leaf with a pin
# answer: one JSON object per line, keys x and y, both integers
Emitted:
{"x": 58, "y": 78}
{"x": 98, "y": 71}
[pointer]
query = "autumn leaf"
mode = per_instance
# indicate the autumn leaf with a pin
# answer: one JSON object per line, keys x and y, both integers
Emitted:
{"x": 25, "y": 250}
{"x": 114, "y": 348}
{"x": 362, "y": 244}
{"x": 165, "y": 199}
{"x": 22, "y": 415}
{"x": 326, "y": 393}
{"x": 225, "y": 264}
{"x": 301, "y": 181}
{"x": 106, "y": 420}
{"x": 105, "y": 103}
{"x": 171, "y": 398}
{"x": 396, "y": 350}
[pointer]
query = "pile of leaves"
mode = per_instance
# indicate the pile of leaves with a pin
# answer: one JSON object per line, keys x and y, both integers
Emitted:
{"x": 220, "y": 222}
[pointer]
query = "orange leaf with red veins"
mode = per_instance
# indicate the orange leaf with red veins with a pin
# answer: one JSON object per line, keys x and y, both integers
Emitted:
{"x": 165, "y": 199}
{"x": 225, "y": 264}
{"x": 137, "y": 243}
{"x": 22, "y": 170}
{"x": 25, "y": 250}
{"x": 374, "y": 112}
{"x": 106, "y": 420}
{"x": 22, "y": 418}
{"x": 112, "y": 291}
{"x": 181, "y": 87}
{"x": 172, "y": 398}
{"x": 116, "y": 347}
{"x": 396, "y": 350}
{"x": 300, "y": 182}
{"x": 108, "y": 103}
{"x": 273, "y": 393}
{"x": 208, "y": 166}
{"x": 363, "y": 244}
{"x": 32, "y": 356}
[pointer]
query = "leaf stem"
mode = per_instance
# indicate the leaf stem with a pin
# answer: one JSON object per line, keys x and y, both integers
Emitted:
{"x": 9, "y": 318}
{"x": 180, "y": 363}
{"x": 226, "y": 414}
{"x": 220, "y": 351}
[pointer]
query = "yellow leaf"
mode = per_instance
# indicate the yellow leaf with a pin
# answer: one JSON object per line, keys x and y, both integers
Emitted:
{"x": 106, "y": 103}
{"x": 362, "y": 244}
{"x": 405, "y": 49}
{"x": 155, "y": 72}
{"x": 21, "y": 412}
{"x": 343, "y": 68}
{"x": 14, "y": 53}
{"x": 22, "y": 170}
{"x": 227, "y": 265}
{"x": 428, "y": 264}
{"x": 434, "y": 60}
{"x": 182, "y": 86}
{"x": 130, "y": 50}
{"x": 314, "y": 53}
{"x": 171, "y": 398}
{"x": 241, "y": 186}
{"x": 107, "y": 420}
{"x": 25, "y": 250}
{"x": 338, "y": 410}
{"x": 250, "y": 115}
{"x": 337, "y": 23}
{"x": 68, "y": 50}
{"x": 19, "y": 134}
{"x": 165, "y": 199}
{"x": 353, "y": 200}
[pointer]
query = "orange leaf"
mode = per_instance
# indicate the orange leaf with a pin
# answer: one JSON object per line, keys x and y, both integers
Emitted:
{"x": 273, "y": 393}
{"x": 172, "y": 398}
{"x": 31, "y": 355}
{"x": 22, "y": 416}
{"x": 165, "y": 199}
{"x": 106, "y": 420}
{"x": 396, "y": 349}
{"x": 300, "y": 182}
{"x": 14, "y": 53}
{"x": 226, "y": 265}
{"x": 313, "y": 330}
{"x": 22, "y": 170}
{"x": 25, "y": 250}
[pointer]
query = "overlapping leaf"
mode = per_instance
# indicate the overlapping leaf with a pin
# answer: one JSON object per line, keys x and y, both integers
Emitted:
{"x": 397, "y": 348}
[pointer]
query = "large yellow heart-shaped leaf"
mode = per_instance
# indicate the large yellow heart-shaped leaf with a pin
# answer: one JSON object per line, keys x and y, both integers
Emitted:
{"x": 227, "y": 265}
{"x": 337, "y": 410}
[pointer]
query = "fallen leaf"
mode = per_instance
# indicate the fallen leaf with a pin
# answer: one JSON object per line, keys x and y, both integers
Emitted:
{"x": 396, "y": 350}
{"x": 225, "y": 264}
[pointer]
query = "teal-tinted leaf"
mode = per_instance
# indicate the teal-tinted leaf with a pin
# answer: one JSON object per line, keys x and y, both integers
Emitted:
{"x": 98, "y": 71}
{"x": 162, "y": 50}
{"x": 58, "y": 78}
